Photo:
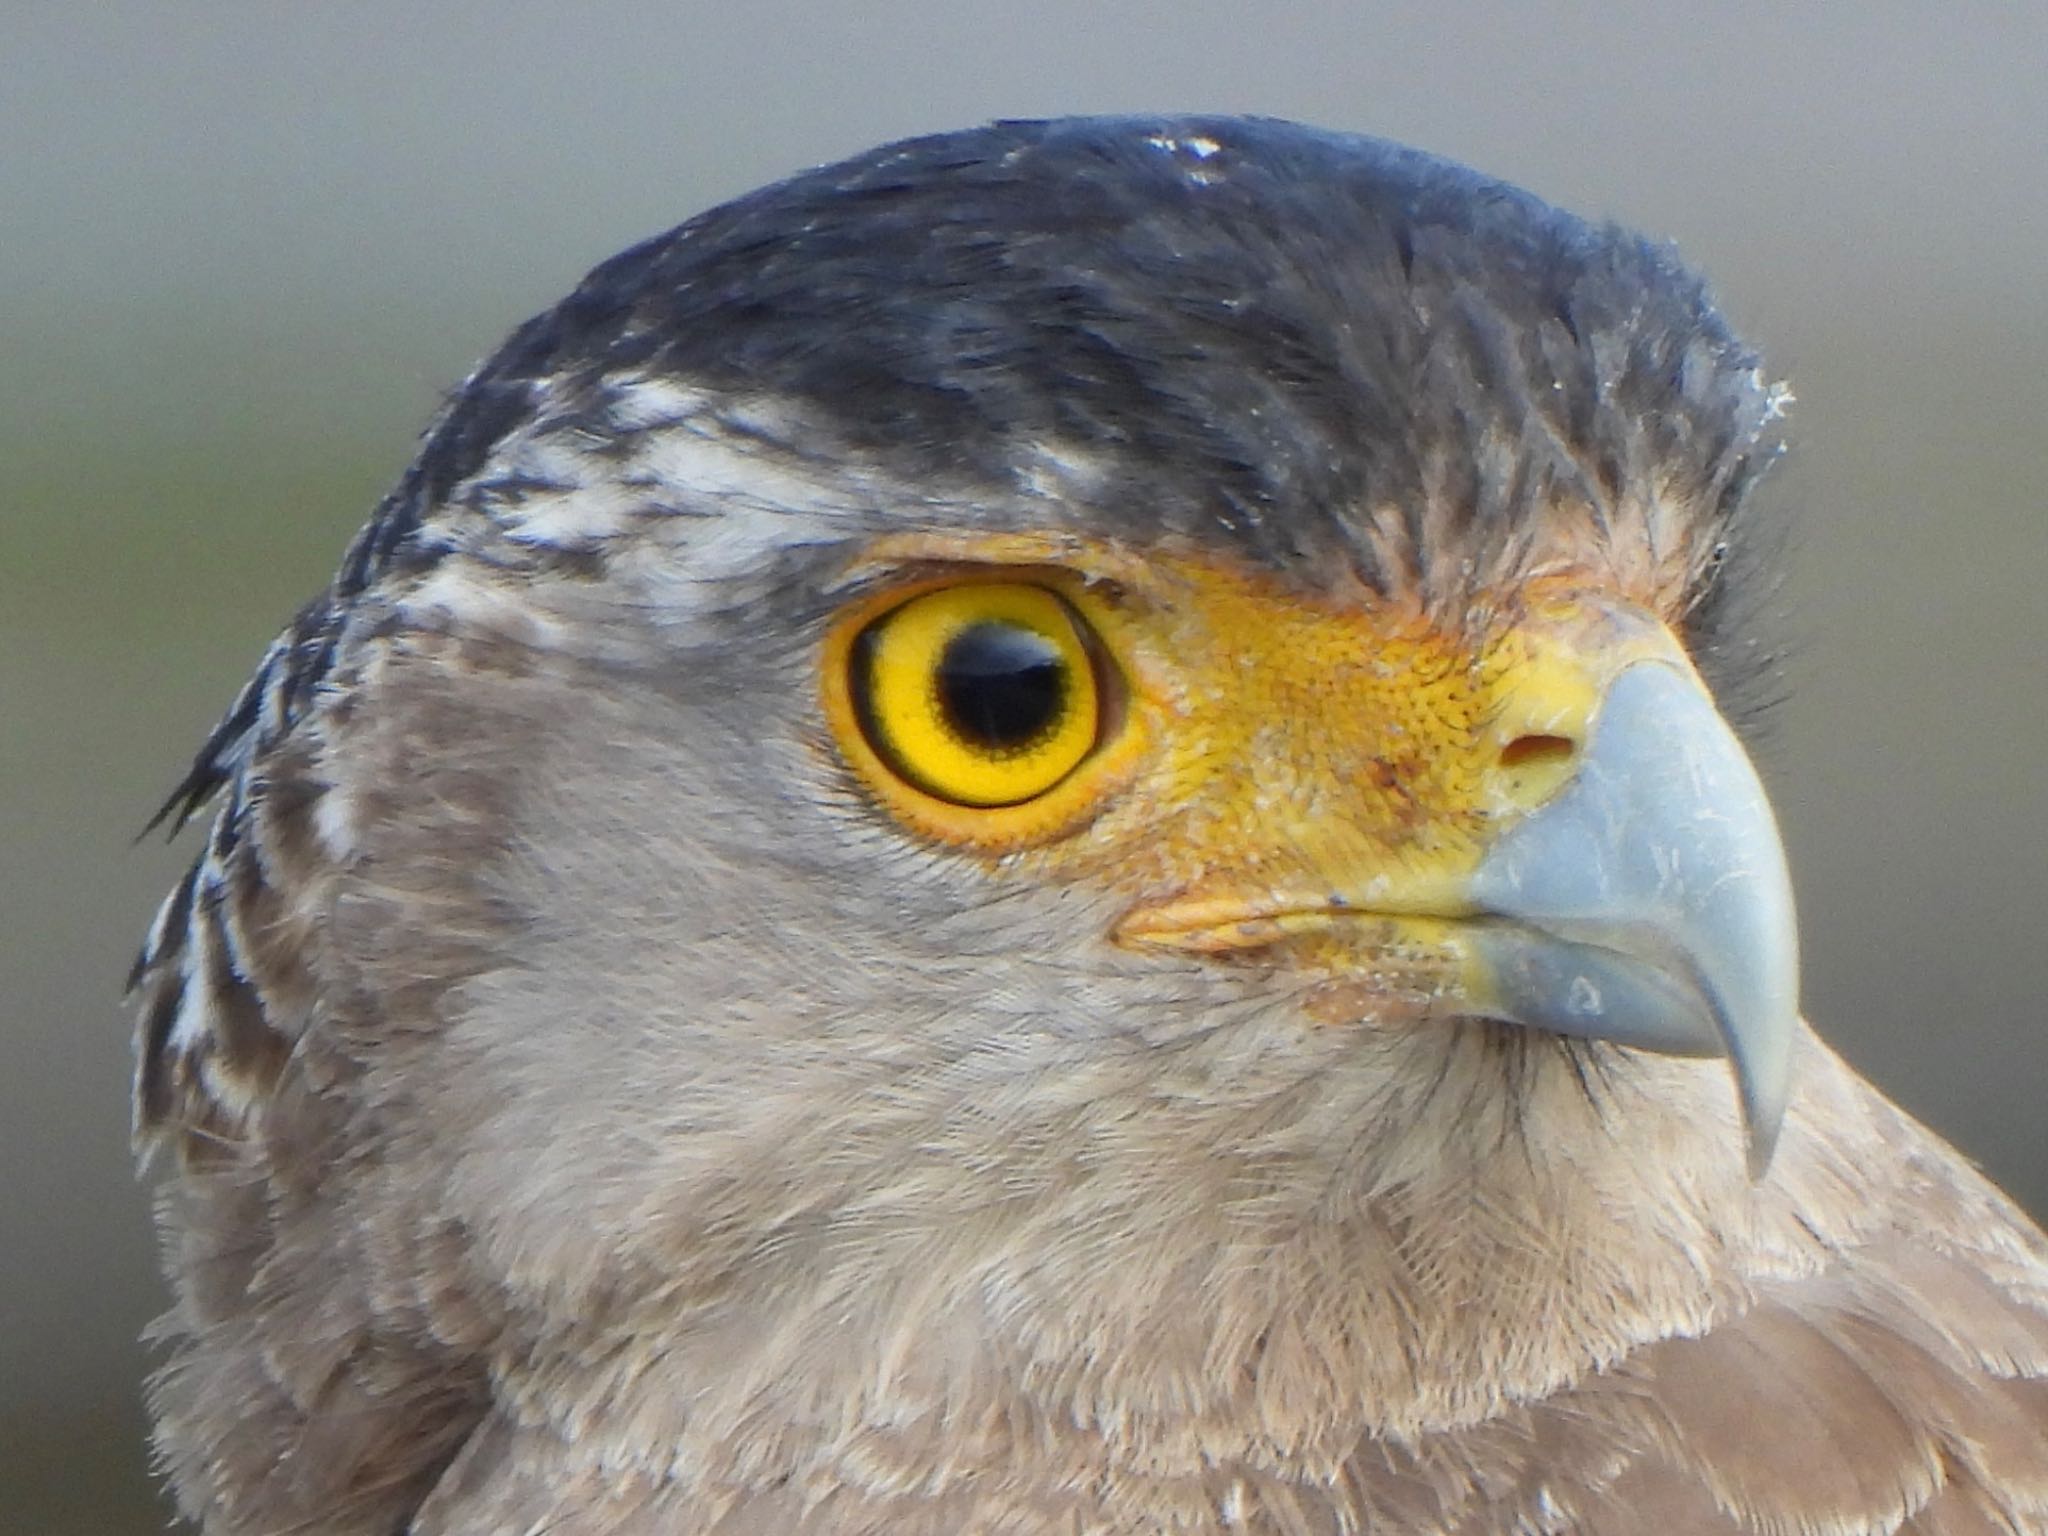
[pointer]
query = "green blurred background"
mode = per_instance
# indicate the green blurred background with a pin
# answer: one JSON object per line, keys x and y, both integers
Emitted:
{"x": 244, "y": 246}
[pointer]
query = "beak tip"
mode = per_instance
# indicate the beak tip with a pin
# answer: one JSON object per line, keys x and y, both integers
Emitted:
{"x": 1762, "y": 1144}
{"x": 1763, "y": 1074}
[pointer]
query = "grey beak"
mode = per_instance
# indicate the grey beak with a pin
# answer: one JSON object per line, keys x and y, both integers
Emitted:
{"x": 1649, "y": 903}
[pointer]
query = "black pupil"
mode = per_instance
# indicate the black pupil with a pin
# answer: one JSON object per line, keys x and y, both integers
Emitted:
{"x": 1001, "y": 686}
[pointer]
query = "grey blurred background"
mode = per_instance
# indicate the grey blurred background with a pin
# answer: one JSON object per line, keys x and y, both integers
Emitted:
{"x": 243, "y": 246}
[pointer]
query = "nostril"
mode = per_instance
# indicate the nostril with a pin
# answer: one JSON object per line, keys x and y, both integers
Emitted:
{"x": 1532, "y": 769}
{"x": 1526, "y": 752}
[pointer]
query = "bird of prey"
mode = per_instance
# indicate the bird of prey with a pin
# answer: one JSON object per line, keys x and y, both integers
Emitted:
{"x": 1047, "y": 833}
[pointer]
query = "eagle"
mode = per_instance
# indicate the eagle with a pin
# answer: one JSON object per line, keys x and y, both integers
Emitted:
{"x": 1049, "y": 833}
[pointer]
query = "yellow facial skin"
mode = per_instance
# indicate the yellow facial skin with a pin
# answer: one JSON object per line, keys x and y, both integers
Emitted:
{"x": 1535, "y": 816}
{"x": 1266, "y": 770}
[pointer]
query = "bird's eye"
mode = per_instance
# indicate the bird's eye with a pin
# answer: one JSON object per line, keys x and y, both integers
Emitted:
{"x": 980, "y": 695}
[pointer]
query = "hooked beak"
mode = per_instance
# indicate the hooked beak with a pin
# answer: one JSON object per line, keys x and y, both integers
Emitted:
{"x": 1639, "y": 896}
{"x": 1649, "y": 903}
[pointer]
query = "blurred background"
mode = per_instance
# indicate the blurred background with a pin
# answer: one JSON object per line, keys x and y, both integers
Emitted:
{"x": 243, "y": 247}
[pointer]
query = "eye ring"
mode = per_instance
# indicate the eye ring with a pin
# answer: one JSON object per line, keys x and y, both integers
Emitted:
{"x": 1111, "y": 703}
{"x": 982, "y": 695}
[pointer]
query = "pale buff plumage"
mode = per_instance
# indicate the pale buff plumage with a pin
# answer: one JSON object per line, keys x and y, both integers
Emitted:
{"x": 592, "y": 1117}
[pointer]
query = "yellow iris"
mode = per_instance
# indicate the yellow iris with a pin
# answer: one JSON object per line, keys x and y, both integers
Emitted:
{"x": 982, "y": 694}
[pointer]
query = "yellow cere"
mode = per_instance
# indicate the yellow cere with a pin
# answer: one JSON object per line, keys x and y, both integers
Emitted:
{"x": 1261, "y": 766}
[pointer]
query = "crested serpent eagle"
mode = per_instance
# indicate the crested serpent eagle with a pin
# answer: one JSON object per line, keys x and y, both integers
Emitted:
{"x": 1047, "y": 833}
